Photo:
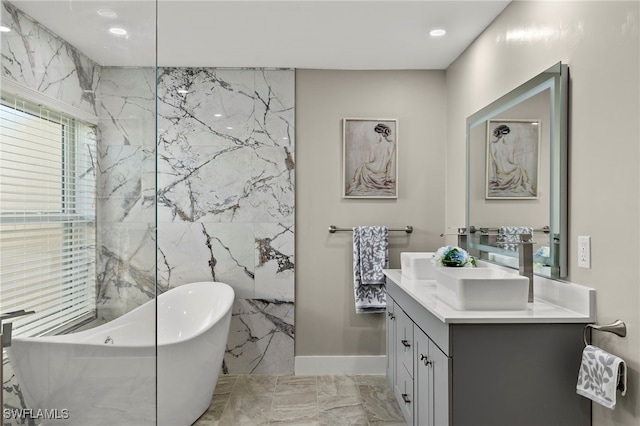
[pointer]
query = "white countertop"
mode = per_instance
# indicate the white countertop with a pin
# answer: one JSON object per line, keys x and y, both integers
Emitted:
{"x": 554, "y": 302}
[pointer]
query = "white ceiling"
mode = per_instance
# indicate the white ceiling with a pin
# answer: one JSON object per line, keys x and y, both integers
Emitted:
{"x": 327, "y": 34}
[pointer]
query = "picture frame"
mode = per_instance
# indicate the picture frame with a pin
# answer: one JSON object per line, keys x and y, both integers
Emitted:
{"x": 513, "y": 159}
{"x": 369, "y": 158}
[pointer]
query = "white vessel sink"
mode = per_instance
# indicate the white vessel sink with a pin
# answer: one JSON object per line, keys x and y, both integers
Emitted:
{"x": 482, "y": 289}
{"x": 417, "y": 265}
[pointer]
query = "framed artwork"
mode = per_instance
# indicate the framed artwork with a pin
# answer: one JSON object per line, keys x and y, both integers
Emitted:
{"x": 369, "y": 158}
{"x": 513, "y": 159}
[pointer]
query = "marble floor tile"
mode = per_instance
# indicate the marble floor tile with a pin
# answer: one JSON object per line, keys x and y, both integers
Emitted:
{"x": 341, "y": 410}
{"x": 225, "y": 384}
{"x": 257, "y": 384}
{"x": 337, "y": 385}
{"x": 221, "y": 395}
{"x": 298, "y": 407}
{"x": 214, "y": 412}
{"x": 296, "y": 384}
{"x": 387, "y": 423}
{"x": 371, "y": 380}
{"x": 246, "y": 410}
{"x": 379, "y": 403}
{"x": 340, "y": 400}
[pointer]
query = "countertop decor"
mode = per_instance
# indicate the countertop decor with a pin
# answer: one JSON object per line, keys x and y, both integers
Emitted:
{"x": 452, "y": 256}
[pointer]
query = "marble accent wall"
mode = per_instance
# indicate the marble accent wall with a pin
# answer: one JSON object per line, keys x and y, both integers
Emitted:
{"x": 226, "y": 201}
{"x": 225, "y": 198}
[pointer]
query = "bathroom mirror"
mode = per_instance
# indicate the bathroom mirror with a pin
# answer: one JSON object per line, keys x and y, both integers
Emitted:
{"x": 517, "y": 174}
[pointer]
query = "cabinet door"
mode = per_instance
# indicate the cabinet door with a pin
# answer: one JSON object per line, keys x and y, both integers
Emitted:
{"x": 441, "y": 365}
{"x": 404, "y": 341}
{"x": 403, "y": 391}
{"x": 431, "y": 381}
{"x": 391, "y": 339}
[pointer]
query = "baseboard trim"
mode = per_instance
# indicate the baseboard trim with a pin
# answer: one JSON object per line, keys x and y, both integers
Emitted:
{"x": 317, "y": 365}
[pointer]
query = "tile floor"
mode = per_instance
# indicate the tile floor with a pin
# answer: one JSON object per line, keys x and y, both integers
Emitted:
{"x": 302, "y": 400}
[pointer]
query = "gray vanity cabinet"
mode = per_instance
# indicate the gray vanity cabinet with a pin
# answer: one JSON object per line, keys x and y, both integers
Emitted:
{"x": 419, "y": 375}
{"x": 482, "y": 373}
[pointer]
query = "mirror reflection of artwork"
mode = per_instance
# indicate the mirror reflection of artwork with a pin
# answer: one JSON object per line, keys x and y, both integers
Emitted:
{"x": 513, "y": 148}
{"x": 369, "y": 158}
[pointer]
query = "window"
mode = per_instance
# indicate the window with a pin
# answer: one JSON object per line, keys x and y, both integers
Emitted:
{"x": 47, "y": 217}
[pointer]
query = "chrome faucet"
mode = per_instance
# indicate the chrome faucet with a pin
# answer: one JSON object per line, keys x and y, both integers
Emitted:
{"x": 525, "y": 261}
{"x": 6, "y": 329}
{"x": 5, "y": 341}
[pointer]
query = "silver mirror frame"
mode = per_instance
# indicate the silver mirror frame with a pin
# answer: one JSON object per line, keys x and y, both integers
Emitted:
{"x": 556, "y": 79}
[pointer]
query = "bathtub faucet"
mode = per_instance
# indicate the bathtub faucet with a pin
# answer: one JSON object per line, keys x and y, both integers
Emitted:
{"x": 6, "y": 329}
{"x": 5, "y": 341}
{"x": 108, "y": 340}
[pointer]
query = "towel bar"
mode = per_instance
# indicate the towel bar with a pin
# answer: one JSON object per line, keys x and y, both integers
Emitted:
{"x": 332, "y": 229}
{"x": 489, "y": 231}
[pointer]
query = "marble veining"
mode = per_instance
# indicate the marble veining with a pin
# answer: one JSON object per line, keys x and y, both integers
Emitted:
{"x": 225, "y": 197}
{"x": 261, "y": 337}
{"x": 224, "y": 184}
{"x": 36, "y": 58}
{"x": 222, "y": 131}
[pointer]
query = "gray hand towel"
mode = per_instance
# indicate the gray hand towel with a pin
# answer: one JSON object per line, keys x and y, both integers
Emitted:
{"x": 370, "y": 257}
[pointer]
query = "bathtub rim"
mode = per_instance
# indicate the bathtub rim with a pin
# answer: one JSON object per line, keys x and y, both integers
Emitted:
{"x": 71, "y": 338}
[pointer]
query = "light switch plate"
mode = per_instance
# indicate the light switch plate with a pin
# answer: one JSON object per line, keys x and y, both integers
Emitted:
{"x": 584, "y": 252}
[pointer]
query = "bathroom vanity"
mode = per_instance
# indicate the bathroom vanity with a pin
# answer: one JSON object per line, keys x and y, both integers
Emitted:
{"x": 508, "y": 367}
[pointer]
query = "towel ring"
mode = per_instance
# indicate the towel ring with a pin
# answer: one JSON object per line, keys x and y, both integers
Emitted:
{"x": 617, "y": 327}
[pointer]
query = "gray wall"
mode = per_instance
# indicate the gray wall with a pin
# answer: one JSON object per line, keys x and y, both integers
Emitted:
{"x": 600, "y": 42}
{"x": 326, "y": 323}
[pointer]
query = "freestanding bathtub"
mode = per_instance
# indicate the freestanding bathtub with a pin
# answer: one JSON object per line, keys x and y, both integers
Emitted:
{"x": 107, "y": 375}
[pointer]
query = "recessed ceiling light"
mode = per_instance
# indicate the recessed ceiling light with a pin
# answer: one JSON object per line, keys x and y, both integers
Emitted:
{"x": 217, "y": 115}
{"x": 229, "y": 128}
{"x": 4, "y": 29}
{"x": 117, "y": 31}
{"x": 437, "y": 32}
{"x": 106, "y": 13}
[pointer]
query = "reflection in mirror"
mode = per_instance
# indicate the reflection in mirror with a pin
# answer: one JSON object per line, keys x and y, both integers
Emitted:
{"x": 517, "y": 174}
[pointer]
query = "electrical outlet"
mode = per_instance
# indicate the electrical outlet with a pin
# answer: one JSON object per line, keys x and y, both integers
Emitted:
{"x": 584, "y": 252}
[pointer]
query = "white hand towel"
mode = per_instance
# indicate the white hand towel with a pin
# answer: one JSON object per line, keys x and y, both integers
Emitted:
{"x": 599, "y": 374}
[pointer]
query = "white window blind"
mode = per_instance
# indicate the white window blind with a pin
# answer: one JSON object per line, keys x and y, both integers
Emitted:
{"x": 47, "y": 217}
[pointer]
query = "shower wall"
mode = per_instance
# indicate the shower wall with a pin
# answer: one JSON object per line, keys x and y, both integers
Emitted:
{"x": 43, "y": 64}
{"x": 225, "y": 198}
{"x": 226, "y": 201}
{"x": 126, "y": 265}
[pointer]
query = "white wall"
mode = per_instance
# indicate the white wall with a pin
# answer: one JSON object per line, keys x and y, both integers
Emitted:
{"x": 600, "y": 42}
{"x": 326, "y": 323}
